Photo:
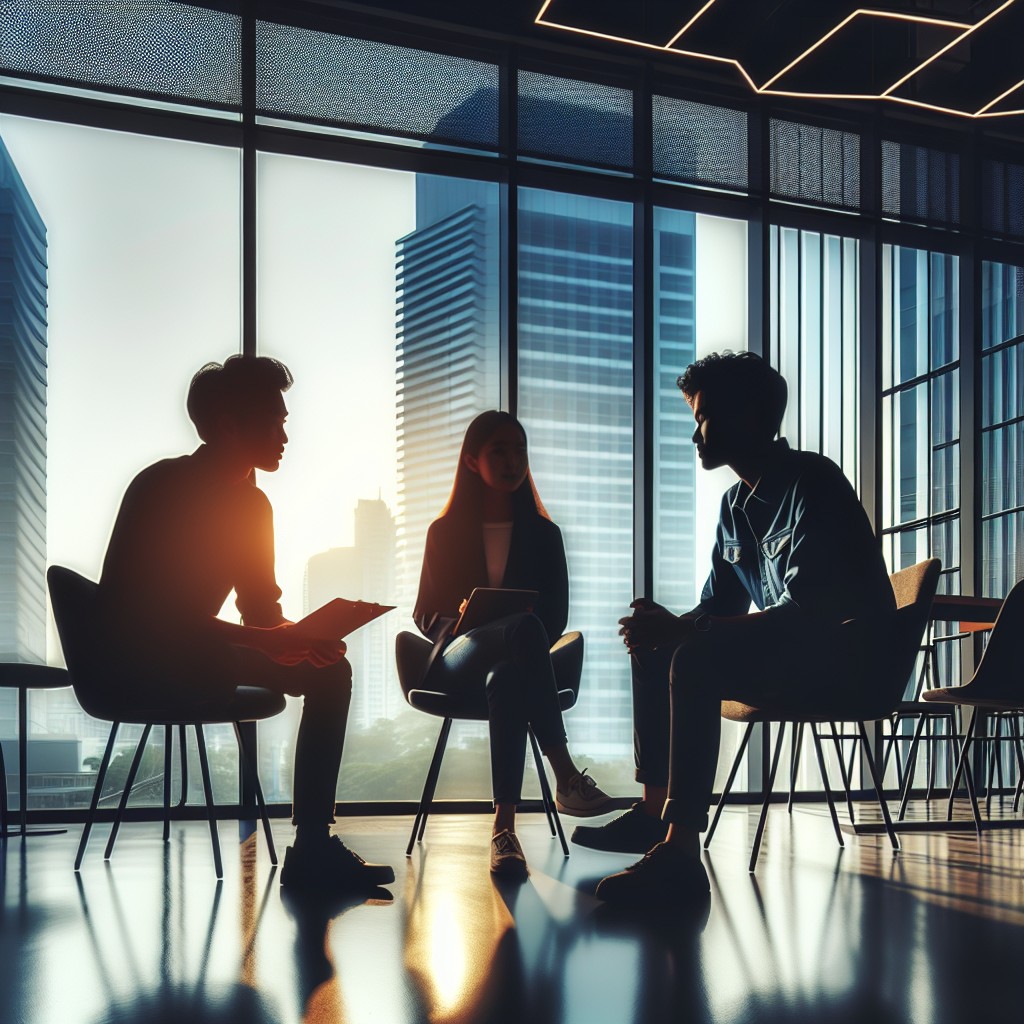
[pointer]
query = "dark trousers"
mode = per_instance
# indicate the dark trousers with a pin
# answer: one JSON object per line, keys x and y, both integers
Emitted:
{"x": 505, "y": 672}
{"x": 677, "y": 696}
{"x": 326, "y": 695}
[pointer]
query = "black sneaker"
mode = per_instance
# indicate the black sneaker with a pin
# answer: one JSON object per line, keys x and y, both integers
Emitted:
{"x": 331, "y": 866}
{"x": 631, "y": 832}
{"x": 664, "y": 876}
{"x": 507, "y": 858}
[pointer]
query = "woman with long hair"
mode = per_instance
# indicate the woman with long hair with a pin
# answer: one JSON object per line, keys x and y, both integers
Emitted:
{"x": 494, "y": 532}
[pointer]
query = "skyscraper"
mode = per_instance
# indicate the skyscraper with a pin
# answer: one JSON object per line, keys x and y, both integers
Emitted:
{"x": 575, "y": 393}
{"x": 366, "y": 572}
{"x": 22, "y": 420}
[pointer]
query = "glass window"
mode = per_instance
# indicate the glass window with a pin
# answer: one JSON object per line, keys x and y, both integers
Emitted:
{"x": 699, "y": 307}
{"x": 120, "y": 277}
{"x": 1002, "y": 428}
{"x": 920, "y": 419}
{"x": 373, "y": 284}
{"x": 576, "y": 402}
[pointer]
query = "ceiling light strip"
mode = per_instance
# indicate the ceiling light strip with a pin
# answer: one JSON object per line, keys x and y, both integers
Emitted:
{"x": 688, "y": 25}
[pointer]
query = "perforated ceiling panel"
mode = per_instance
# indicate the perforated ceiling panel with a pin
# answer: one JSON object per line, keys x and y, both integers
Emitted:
{"x": 920, "y": 183}
{"x": 815, "y": 165}
{"x": 134, "y": 46}
{"x": 700, "y": 143}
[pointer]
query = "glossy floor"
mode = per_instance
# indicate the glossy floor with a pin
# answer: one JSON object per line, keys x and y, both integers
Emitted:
{"x": 933, "y": 934}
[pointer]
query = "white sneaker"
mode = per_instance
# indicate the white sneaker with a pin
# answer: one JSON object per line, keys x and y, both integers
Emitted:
{"x": 507, "y": 857}
{"x": 582, "y": 797}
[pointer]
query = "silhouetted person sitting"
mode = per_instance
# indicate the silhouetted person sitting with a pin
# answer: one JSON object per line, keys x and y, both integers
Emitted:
{"x": 793, "y": 539}
{"x": 189, "y": 531}
{"x": 494, "y": 532}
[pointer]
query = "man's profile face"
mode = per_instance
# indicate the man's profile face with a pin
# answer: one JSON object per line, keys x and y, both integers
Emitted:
{"x": 262, "y": 436}
{"x": 709, "y": 434}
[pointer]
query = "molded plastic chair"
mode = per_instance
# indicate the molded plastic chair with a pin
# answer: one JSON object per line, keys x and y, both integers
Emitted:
{"x": 412, "y": 653}
{"x": 74, "y": 601}
{"x": 24, "y": 677}
{"x": 914, "y": 589}
{"x": 996, "y": 689}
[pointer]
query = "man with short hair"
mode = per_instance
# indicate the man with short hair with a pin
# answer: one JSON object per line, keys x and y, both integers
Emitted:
{"x": 190, "y": 531}
{"x": 794, "y": 540}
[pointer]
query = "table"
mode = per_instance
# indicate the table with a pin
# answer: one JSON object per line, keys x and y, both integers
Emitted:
{"x": 23, "y": 678}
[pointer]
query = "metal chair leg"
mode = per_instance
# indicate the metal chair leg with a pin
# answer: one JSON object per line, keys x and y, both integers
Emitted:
{"x": 929, "y": 750}
{"x": 183, "y": 758}
{"x": 94, "y": 802}
{"x": 1019, "y": 750}
{"x": 3, "y": 795}
{"x": 964, "y": 768}
{"x": 993, "y": 757}
{"x": 767, "y": 790}
{"x": 204, "y": 767}
{"x": 545, "y": 793}
{"x": 129, "y": 782}
{"x": 252, "y": 770}
{"x": 877, "y": 782}
{"x": 844, "y": 774}
{"x": 728, "y": 784}
{"x": 429, "y": 785}
{"x": 168, "y": 736}
{"x": 908, "y": 778}
{"x": 794, "y": 752}
{"x": 824, "y": 782}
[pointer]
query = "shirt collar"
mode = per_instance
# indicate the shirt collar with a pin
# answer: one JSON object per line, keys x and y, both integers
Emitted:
{"x": 778, "y": 474}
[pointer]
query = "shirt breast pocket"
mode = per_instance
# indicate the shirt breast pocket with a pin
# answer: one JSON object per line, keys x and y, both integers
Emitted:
{"x": 732, "y": 552}
{"x": 775, "y": 549}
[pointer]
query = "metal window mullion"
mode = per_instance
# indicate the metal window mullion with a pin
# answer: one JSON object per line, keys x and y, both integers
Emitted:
{"x": 508, "y": 281}
{"x": 249, "y": 198}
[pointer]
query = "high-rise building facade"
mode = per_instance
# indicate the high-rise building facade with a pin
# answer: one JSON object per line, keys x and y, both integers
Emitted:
{"x": 22, "y": 420}
{"x": 575, "y": 391}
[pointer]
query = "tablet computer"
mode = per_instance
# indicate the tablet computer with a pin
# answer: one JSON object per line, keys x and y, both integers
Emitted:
{"x": 487, "y": 604}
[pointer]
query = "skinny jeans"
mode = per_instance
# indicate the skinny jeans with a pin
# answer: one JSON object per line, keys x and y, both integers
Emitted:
{"x": 505, "y": 672}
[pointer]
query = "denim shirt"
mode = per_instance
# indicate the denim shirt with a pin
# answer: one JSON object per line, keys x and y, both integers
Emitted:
{"x": 797, "y": 542}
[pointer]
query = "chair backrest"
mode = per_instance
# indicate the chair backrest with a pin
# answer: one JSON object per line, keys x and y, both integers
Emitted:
{"x": 75, "y": 602}
{"x": 914, "y": 588}
{"x": 1001, "y": 670}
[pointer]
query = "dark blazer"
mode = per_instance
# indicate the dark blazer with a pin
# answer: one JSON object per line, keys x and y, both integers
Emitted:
{"x": 454, "y": 563}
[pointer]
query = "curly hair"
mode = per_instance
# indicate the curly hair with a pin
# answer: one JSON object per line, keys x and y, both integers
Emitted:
{"x": 742, "y": 378}
{"x": 240, "y": 387}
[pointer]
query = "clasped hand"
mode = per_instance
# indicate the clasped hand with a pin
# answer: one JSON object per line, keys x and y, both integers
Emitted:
{"x": 651, "y": 626}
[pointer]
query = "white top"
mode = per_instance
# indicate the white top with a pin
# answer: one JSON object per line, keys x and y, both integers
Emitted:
{"x": 497, "y": 538}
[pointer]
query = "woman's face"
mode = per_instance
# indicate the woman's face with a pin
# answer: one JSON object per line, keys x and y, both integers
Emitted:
{"x": 502, "y": 461}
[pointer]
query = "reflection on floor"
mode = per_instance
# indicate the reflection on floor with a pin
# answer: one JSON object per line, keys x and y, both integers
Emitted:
{"x": 934, "y": 934}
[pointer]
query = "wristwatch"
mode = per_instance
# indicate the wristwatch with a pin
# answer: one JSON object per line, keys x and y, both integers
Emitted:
{"x": 702, "y": 623}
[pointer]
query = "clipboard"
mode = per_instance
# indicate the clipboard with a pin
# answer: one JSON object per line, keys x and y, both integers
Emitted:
{"x": 486, "y": 604}
{"x": 336, "y": 619}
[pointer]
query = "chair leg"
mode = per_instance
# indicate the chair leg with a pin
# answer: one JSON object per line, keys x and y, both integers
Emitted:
{"x": 877, "y": 783}
{"x": 767, "y": 790}
{"x": 963, "y": 767}
{"x": 429, "y": 785}
{"x": 728, "y": 784}
{"x": 547, "y": 799}
{"x": 911, "y": 766}
{"x": 204, "y": 767}
{"x": 252, "y": 769}
{"x": 843, "y": 773}
{"x": 930, "y": 754}
{"x": 94, "y": 802}
{"x": 894, "y": 725}
{"x": 794, "y": 751}
{"x": 1015, "y": 729}
{"x": 168, "y": 737}
{"x": 129, "y": 782}
{"x": 183, "y": 758}
{"x": 993, "y": 757}
{"x": 824, "y": 782}
{"x": 3, "y": 795}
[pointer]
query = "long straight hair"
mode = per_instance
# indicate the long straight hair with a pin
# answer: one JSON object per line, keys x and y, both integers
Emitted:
{"x": 465, "y": 503}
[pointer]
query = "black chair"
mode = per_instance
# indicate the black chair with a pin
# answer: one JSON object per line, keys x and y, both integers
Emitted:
{"x": 913, "y": 589}
{"x": 74, "y": 601}
{"x": 996, "y": 692}
{"x": 412, "y": 653}
{"x": 24, "y": 677}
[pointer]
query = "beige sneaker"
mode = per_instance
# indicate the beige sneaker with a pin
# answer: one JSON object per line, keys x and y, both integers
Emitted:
{"x": 582, "y": 797}
{"x": 507, "y": 857}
